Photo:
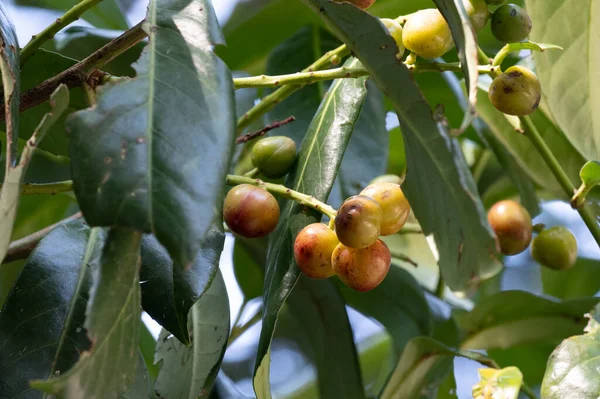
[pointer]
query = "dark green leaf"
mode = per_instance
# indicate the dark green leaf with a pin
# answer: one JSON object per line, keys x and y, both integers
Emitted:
{"x": 318, "y": 161}
{"x": 439, "y": 185}
{"x": 107, "y": 14}
{"x": 41, "y": 323}
{"x": 398, "y": 304}
{"x": 162, "y": 141}
{"x": 320, "y": 310}
{"x": 579, "y": 281}
{"x": 189, "y": 372}
{"x": 112, "y": 321}
{"x": 513, "y": 318}
{"x": 169, "y": 291}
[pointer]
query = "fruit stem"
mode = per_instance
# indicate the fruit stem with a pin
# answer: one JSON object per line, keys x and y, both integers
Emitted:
{"x": 578, "y": 199}
{"x": 411, "y": 59}
{"x": 48, "y": 189}
{"x": 285, "y": 192}
{"x": 559, "y": 173}
{"x": 253, "y": 173}
{"x": 501, "y": 55}
{"x": 47, "y": 34}
{"x": 268, "y": 102}
{"x": 238, "y": 330}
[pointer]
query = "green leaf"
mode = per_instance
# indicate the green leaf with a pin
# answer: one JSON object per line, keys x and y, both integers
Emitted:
{"x": 78, "y": 42}
{"x": 570, "y": 78}
{"x": 169, "y": 291}
{"x": 107, "y": 14}
{"x": 41, "y": 323}
{"x": 418, "y": 364}
{"x": 162, "y": 141}
{"x": 249, "y": 265}
{"x": 318, "y": 161}
{"x": 466, "y": 43}
{"x": 321, "y": 312}
{"x": 577, "y": 282}
{"x": 573, "y": 367}
{"x": 11, "y": 188}
{"x": 112, "y": 321}
{"x": 190, "y": 371}
{"x": 531, "y": 359}
{"x": 499, "y": 384}
{"x": 141, "y": 385}
{"x": 521, "y": 148}
{"x": 439, "y": 185}
{"x": 590, "y": 173}
{"x": 398, "y": 303}
{"x": 528, "y": 45}
{"x": 512, "y": 318}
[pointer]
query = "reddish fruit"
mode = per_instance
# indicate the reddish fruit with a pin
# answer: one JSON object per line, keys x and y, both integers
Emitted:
{"x": 394, "y": 204}
{"x": 362, "y": 269}
{"x": 313, "y": 248}
{"x": 358, "y": 221}
{"x": 512, "y": 224}
{"x": 250, "y": 211}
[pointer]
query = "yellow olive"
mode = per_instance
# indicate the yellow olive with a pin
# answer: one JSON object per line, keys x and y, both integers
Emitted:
{"x": 395, "y": 30}
{"x": 362, "y": 269}
{"x": 427, "y": 34}
{"x": 394, "y": 204}
{"x": 313, "y": 248}
{"x": 358, "y": 222}
{"x": 478, "y": 13}
{"x": 516, "y": 92}
{"x": 250, "y": 211}
{"x": 512, "y": 225}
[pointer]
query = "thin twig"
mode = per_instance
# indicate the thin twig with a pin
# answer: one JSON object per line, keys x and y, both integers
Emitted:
{"x": 46, "y": 188}
{"x": 247, "y": 137}
{"x": 404, "y": 258}
{"x": 22, "y": 248}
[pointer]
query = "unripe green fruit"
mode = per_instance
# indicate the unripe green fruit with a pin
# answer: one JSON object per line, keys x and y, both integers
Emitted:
{"x": 511, "y": 23}
{"x": 555, "y": 248}
{"x": 358, "y": 222}
{"x": 395, "y": 30}
{"x": 478, "y": 13}
{"x": 394, "y": 204}
{"x": 388, "y": 179}
{"x": 427, "y": 34}
{"x": 362, "y": 269}
{"x": 512, "y": 225}
{"x": 250, "y": 211}
{"x": 274, "y": 156}
{"x": 363, "y": 4}
{"x": 313, "y": 248}
{"x": 516, "y": 92}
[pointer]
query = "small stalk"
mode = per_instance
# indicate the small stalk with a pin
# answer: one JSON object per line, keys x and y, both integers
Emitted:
{"x": 46, "y": 189}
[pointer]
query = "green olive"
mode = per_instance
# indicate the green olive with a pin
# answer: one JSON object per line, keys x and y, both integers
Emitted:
{"x": 274, "y": 156}
{"x": 395, "y": 30}
{"x": 362, "y": 269}
{"x": 394, "y": 204}
{"x": 512, "y": 224}
{"x": 358, "y": 222}
{"x": 478, "y": 13}
{"x": 313, "y": 248}
{"x": 516, "y": 92}
{"x": 250, "y": 211}
{"x": 555, "y": 248}
{"x": 362, "y": 4}
{"x": 427, "y": 34}
{"x": 511, "y": 23}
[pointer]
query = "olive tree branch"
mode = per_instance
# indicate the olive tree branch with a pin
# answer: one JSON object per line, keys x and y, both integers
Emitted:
{"x": 47, "y": 188}
{"x": 84, "y": 71}
{"x": 283, "y": 191}
{"x": 70, "y": 16}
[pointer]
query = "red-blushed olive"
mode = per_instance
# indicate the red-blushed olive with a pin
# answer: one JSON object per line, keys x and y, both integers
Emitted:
{"x": 395, "y": 30}
{"x": 512, "y": 224}
{"x": 516, "y": 92}
{"x": 511, "y": 23}
{"x": 358, "y": 221}
{"x": 555, "y": 248}
{"x": 427, "y": 34}
{"x": 478, "y": 13}
{"x": 362, "y": 4}
{"x": 362, "y": 269}
{"x": 393, "y": 203}
{"x": 274, "y": 156}
{"x": 313, "y": 248}
{"x": 250, "y": 211}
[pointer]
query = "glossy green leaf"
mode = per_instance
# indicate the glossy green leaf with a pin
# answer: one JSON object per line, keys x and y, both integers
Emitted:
{"x": 466, "y": 43}
{"x": 78, "y": 42}
{"x": 15, "y": 173}
{"x": 502, "y": 321}
{"x": 319, "y": 158}
{"x": 573, "y": 367}
{"x": 398, "y": 303}
{"x": 418, "y": 363}
{"x": 162, "y": 141}
{"x": 169, "y": 291}
{"x": 41, "y": 323}
{"x": 498, "y": 384}
{"x": 439, "y": 185}
{"x": 577, "y": 282}
{"x": 570, "y": 79}
{"x": 321, "y": 312}
{"x": 112, "y": 321}
{"x": 107, "y": 14}
{"x": 190, "y": 371}
{"x": 590, "y": 173}
{"x": 521, "y": 148}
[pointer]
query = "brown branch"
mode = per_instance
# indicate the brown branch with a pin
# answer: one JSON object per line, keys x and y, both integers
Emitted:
{"x": 22, "y": 248}
{"x": 247, "y": 137}
{"x": 84, "y": 71}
